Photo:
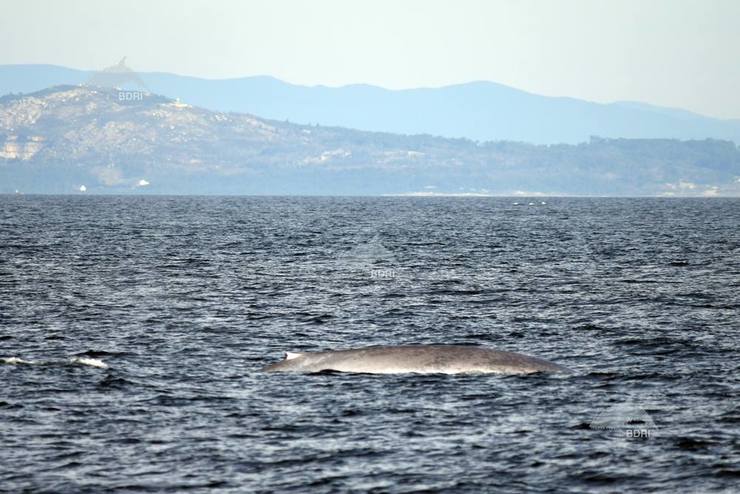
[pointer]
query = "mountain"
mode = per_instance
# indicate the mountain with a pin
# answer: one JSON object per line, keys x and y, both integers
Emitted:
{"x": 118, "y": 141}
{"x": 481, "y": 111}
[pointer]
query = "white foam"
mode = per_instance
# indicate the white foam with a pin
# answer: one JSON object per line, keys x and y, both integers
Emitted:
{"x": 15, "y": 361}
{"x": 92, "y": 362}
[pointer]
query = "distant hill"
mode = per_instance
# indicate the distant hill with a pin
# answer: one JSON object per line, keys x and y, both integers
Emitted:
{"x": 109, "y": 141}
{"x": 482, "y": 111}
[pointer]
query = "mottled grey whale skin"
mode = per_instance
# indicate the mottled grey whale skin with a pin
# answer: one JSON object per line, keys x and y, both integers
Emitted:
{"x": 420, "y": 359}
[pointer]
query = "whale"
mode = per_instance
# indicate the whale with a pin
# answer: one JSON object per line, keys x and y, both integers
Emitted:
{"x": 415, "y": 359}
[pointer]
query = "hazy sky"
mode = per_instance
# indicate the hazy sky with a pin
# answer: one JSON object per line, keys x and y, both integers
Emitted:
{"x": 682, "y": 53}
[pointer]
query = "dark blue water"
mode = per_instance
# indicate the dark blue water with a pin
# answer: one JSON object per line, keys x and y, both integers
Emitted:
{"x": 185, "y": 299}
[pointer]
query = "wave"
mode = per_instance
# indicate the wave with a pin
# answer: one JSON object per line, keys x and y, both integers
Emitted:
{"x": 92, "y": 362}
{"x": 14, "y": 361}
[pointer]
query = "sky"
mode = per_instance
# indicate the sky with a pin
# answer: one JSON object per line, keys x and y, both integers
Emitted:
{"x": 677, "y": 53}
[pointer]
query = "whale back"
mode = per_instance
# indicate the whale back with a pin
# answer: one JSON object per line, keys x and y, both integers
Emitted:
{"x": 425, "y": 359}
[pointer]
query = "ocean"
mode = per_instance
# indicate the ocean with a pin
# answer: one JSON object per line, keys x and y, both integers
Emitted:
{"x": 133, "y": 331}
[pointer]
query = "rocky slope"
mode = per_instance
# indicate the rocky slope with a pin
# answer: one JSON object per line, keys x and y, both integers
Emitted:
{"x": 110, "y": 140}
